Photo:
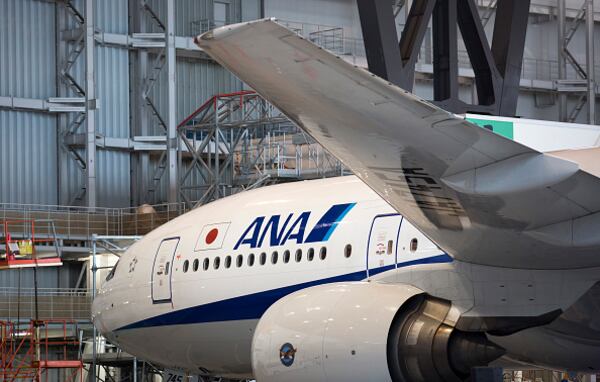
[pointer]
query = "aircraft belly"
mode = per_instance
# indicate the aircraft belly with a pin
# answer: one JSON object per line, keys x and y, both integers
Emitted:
{"x": 571, "y": 342}
{"x": 221, "y": 348}
{"x": 542, "y": 347}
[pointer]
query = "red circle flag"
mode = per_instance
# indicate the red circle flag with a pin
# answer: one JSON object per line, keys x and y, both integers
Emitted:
{"x": 212, "y": 236}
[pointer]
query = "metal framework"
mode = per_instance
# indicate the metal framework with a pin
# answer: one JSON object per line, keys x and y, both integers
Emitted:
{"x": 584, "y": 83}
{"x": 163, "y": 165}
{"x": 239, "y": 141}
{"x": 29, "y": 353}
{"x": 497, "y": 68}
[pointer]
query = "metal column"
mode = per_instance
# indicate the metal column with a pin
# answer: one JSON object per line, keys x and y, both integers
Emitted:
{"x": 140, "y": 126}
{"x": 172, "y": 142}
{"x": 591, "y": 83}
{"x": 90, "y": 105}
{"x": 445, "y": 52}
{"x": 562, "y": 60}
{"x": 95, "y": 331}
{"x": 381, "y": 41}
{"x": 497, "y": 69}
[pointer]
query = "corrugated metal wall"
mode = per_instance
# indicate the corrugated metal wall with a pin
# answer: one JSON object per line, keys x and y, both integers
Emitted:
{"x": 196, "y": 80}
{"x": 112, "y": 118}
{"x": 28, "y": 65}
{"x": 29, "y": 165}
{"x": 28, "y": 151}
{"x": 112, "y": 78}
{"x": 48, "y": 277}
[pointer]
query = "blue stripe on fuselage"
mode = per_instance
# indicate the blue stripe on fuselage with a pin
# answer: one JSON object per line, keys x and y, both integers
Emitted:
{"x": 327, "y": 224}
{"x": 253, "y": 306}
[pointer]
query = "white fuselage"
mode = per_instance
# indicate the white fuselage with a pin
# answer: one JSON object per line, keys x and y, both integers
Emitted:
{"x": 190, "y": 293}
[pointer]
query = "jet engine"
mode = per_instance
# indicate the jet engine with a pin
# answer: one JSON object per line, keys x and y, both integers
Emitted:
{"x": 361, "y": 331}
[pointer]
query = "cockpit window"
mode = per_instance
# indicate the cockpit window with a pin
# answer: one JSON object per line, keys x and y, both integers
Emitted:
{"x": 111, "y": 274}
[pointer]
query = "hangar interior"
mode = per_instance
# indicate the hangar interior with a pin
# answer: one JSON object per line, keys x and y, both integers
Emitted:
{"x": 113, "y": 122}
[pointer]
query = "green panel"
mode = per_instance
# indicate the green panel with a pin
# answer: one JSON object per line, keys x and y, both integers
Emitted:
{"x": 499, "y": 127}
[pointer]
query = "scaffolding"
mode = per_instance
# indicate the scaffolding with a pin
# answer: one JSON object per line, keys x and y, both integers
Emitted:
{"x": 21, "y": 244}
{"x": 31, "y": 353}
{"x": 239, "y": 141}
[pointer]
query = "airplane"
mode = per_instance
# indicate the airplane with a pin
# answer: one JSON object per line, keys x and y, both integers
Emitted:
{"x": 450, "y": 248}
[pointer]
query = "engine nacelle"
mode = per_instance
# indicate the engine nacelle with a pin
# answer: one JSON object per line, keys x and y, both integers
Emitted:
{"x": 361, "y": 331}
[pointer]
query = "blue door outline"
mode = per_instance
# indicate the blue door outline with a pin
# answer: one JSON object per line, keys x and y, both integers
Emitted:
{"x": 395, "y": 265}
{"x": 168, "y": 269}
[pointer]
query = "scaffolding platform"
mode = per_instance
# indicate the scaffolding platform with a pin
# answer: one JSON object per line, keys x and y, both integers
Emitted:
{"x": 30, "y": 263}
{"x": 28, "y": 354}
{"x": 20, "y": 245}
{"x": 112, "y": 359}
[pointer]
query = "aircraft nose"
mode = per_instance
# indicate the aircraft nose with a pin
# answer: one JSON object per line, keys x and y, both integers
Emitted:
{"x": 99, "y": 311}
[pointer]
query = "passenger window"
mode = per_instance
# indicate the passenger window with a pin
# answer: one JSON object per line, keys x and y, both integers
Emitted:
{"x": 390, "y": 247}
{"x": 286, "y": 256}
{"x": 263, "y": 258}
{"x": 239, "y": 260}
{"x": 167, "y": 265}
{"x": 298, "y": 255}
{"x": 274, "y": 257}
{"x": 251, "y": 259}
{"x": 228, "y": 262}
{"x": 217, "y": 262}
{"x": 206, "y": 263}
{"x": 310, "y": 255}
{"x": 414, "y": 245}
{"x": 186, "y": 266}
{"x": 323, "y": 253}
{"x": 348, "y": 250}
{"x": 196, "y": 265}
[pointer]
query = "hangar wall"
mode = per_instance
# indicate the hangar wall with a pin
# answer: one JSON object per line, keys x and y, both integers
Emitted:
{"x": 28, "y": 154}
{"x": 33, "y": 168}
{"x": 34, "y": 45}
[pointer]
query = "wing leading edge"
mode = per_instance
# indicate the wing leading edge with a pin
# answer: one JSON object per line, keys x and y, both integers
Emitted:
{"x": 481, "y": 197}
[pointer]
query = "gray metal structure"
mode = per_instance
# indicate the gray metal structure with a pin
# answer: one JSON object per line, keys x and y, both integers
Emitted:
{"x": 497, "y": 69}
{"x": 584, "y": 84}
{"x": 141, "y": 74}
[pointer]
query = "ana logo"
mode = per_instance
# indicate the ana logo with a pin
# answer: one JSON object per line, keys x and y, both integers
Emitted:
{"x": 278, "y": 230}
{"x": 287, "y": 353}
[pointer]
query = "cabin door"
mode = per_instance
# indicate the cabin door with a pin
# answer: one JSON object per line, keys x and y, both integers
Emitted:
{"x": 162, "y": 270}
{"x": 383, "y": 243}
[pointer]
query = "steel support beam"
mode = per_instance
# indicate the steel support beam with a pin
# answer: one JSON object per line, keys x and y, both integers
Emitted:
{"x": 508, "y": 45}
{"x": 417, "y": 19}
{"x": 379, "y": 33}
{"x": 562, "y": 60}
{"x": 497, "y": 69}
{"x": 591, "y": 80}
{"x": 172, "y": 142}
{"x": 445, "y": 54}
{"x": 90, "y": 105}
{"x": 488, "y": 80}
{"x": 50, "y": 105}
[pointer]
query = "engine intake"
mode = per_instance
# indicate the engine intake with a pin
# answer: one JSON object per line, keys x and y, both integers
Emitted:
{"x": 365, "y": 331}
{"x": 423, "y": 344}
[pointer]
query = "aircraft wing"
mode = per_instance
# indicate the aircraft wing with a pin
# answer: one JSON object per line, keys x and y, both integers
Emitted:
{"x": 481, "y": 197}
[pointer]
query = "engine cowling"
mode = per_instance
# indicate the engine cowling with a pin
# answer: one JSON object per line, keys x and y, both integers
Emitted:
{"x": 365, "y": 331}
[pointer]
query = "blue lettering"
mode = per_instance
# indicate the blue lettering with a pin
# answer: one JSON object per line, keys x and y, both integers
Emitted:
{"x": 255, "y": 227}
{"x": 299, "y": 235}
{"x": 276, "y": 234}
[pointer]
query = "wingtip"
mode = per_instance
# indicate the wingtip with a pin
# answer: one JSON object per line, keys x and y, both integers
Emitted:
{"x": 203, "y": 39}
